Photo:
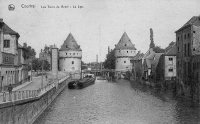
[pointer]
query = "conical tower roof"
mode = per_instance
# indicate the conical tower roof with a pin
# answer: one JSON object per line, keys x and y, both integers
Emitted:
{"x": 70, "y": 44}
{"x": 125, "y": 43}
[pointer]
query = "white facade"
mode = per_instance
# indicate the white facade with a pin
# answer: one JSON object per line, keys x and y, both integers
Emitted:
{"x": 70, "y": 64}
{"x": 122, "y": 62}
{"x": 170, "y": 67}
{"x": 70, "y": 61}
{"x": 13, "y": 44}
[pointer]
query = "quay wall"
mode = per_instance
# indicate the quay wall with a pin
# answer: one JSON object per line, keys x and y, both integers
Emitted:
{"x": 28, "y": 110}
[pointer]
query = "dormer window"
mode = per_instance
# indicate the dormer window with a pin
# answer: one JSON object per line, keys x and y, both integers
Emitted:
{"x": 66, "y": 46}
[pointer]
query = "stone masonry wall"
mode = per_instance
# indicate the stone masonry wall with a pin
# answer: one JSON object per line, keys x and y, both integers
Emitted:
{"x": 27, "y": 111}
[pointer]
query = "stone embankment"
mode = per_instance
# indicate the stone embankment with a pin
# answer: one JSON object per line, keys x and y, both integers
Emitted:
{"x": 24, "y": 107}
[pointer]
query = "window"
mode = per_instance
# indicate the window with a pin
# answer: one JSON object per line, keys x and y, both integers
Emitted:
{"x": 124, "y": 61}
{"x": 170, "y": 59}
{"x": 178, "y": 38}
{"x": 70, "y": 53}
{"x": 194, "y": 32}
{"x": 124, "y": 44}
{"x": 188, "y": 49}
{"x": 72, "y": 62}
{"x": 73, "y": 53}
{"x": 6, "y": 59}
{"x": 127, "y": 51}
{"x": 171, "y": 70}
{"x": 6, "y": 44}
{"x": 178, "y": 63}
{"x": 185, "y": 36}
{"x": 188, "y": 35}
{"x": 66, "y": 53}
{"x": 185, "y": 49}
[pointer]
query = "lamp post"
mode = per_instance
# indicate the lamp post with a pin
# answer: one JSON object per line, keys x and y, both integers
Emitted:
{"x": 31, "y": 76}
{"x": 42, "y": 69}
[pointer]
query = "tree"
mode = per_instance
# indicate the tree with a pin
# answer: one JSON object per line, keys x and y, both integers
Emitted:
{"x": 83, "y": 65}
{"x": 109, "y": 63}
{"x": 37, "y": 65}
{"x": 29, "y": 52}
{"x": 46, "y": 65}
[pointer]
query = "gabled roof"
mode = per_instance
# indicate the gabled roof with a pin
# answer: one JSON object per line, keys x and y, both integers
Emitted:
{"x": 156, "y": 59}
{"x": 153, "y": 59}
{"x": 70, "y": 44}
{"x": 8, "y": 30}
{"x": 138, "y": 56}
{"x": 171, "y": 51}
{"x": 195, "y": 20}
{"x": 125, "y": 43}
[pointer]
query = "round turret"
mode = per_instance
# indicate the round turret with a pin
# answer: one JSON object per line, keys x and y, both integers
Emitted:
{"x": 124, "y": 50}
{"x": 70, "y": 55}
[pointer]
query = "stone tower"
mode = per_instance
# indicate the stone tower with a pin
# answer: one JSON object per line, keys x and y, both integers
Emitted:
{"x": 70, "y": 55}
{"x": 152, "y": 45}
{"x": 124, "y": 50}
{"x": 54, "y": 60}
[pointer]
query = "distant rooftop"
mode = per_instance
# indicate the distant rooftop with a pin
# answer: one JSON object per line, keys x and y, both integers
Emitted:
{"x": 171, "y": 50}
{"x": 195, "y": 20}
{"x": 138, "y": 56}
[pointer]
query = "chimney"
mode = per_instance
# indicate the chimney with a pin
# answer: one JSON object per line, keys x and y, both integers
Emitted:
{"x": 108, "y": 49}
{"x": 97, "y": 58}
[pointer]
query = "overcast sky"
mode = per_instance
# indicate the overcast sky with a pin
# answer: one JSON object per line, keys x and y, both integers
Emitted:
{"x": 99, "y": 24}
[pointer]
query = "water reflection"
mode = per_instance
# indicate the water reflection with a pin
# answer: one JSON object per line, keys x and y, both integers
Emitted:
{"x": 119, "y": 103}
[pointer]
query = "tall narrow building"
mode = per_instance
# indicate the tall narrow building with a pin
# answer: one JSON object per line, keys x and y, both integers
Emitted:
{"x": 188, "y": 54}
{"x": 124, "y": 51}
{"x": 70, "y": 55}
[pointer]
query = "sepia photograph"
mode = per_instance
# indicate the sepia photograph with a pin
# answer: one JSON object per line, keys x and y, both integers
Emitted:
{"x": 99, "y": 61}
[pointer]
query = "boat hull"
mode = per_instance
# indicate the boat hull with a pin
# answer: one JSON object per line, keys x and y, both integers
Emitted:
{"x": 72, "y": 85}
{"x": 85, "y": 82}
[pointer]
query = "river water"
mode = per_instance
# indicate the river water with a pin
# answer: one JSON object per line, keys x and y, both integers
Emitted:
{"x": 118, "y": 103}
